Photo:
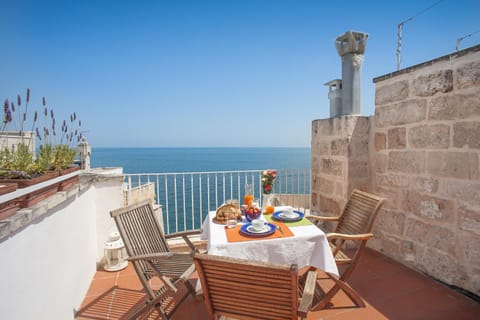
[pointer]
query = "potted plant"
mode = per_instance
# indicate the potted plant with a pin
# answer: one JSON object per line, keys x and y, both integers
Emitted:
{"x": 18, "y": 161}
{"x": 59, "y": 155}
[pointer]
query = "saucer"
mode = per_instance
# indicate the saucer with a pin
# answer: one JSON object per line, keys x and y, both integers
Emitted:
{"x": 268, "y": 229}
{"x": 265, "y": 228}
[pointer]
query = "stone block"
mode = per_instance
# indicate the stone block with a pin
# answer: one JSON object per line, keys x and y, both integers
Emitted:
{"x": 455, "y": 106}
{"x": 359, "y": 147}
{"x": 326, "y": 204}
{"x": 398, "y": 247}
{"x": 441, "y": 238}
{"x": 391, "y": 92}
{"x": 413, "y": 183}
{"x": 470, "y": 246}
{"x": 469, "y": 220}
{"x": 315, "y": 204}
{"x": 406, "y": 161}
{"x": 430, "y": 208}
{"x": 340, "y": 147}
{"x": 466, "y": 134}
{"x": 380, "y": 162}
{"x": 468, "y": 75}
{"x": 358, "y": 169}
{"x": 325, "y": 186}
{"x": 406, "y": 112}
{"x": 391, "y": 180}
{"x": 426, "y": 185}
{"x": 394, "y": 197}
{"x": 380, "y": 141}
{"x": 466, "y": 191}
{"x": 331, "y": 167}
{"x": 443, "y": 266}
{"x": 323, "y": 148}
{"x": 416, "y": 230}
{"x": 390, "y": 221}
{"x": 322, "y": 127}
{"x": 460, "y": 165}
{"x": 435, "y": 136}
{"x": 396, "y": 138}
{"x": 428, "y": 85}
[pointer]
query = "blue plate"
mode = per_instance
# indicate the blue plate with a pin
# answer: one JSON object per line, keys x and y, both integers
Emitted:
{"x": 269, "y": 229}
{"x": 279, "y": 215}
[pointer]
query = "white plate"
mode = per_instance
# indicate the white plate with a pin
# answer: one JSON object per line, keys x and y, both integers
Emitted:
{"x": 265, "y": 229}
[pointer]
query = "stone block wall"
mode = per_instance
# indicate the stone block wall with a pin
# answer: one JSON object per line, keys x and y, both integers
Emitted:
{"x": 426, "y": 162}
{"x": 421, "y": 151}
{"x": 340, "y": 161}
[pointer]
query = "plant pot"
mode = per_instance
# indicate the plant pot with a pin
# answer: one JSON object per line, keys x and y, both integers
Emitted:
{"x": 7, "y": 187}
{"x": 8, "y": 209}
{"x": 66, "y": 184}
{"x": 35, "y": 196}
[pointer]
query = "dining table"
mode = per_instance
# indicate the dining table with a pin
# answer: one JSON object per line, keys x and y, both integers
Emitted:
{"x": 295, "y": 242}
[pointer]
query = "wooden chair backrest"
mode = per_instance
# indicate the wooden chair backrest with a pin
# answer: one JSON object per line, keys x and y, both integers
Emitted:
{"x": 359, "y": 213}
{"x": 141, "y": 234}
{"x": 244, "y": 289}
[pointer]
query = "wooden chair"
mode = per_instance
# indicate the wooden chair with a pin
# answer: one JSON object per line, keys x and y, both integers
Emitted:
{"x": 151, "y": 256}
{"x": 354, "y": 224}
{"x": 243, "y": 289}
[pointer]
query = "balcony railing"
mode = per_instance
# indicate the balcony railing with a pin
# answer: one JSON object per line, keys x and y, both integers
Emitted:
{"x": 186, "y": 197}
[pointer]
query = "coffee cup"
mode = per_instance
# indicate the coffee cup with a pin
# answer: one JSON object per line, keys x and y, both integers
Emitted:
{"x": 288, "y": 212}
{"x": 258, "y": 224}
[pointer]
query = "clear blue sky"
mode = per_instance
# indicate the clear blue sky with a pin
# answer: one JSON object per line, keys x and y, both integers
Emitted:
{"x": 209, "y": 73}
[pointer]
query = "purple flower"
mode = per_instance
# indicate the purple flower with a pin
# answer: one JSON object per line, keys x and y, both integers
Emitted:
{"x": 19, "y": 100}
{"x": 28, "y": 95}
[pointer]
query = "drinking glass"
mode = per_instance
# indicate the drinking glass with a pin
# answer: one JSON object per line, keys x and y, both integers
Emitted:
{"x": 231, "y": 220}
{"x": 248, "y": 198}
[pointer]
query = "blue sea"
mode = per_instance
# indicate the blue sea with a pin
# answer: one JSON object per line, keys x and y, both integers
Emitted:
{"x": 163, "y": 160}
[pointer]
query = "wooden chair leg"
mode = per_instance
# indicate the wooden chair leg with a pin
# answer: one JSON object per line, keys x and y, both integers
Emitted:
{"x": 339, "y": 285}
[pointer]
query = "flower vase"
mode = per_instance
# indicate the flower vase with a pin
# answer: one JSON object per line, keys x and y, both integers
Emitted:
{"x": 267, "y": 200}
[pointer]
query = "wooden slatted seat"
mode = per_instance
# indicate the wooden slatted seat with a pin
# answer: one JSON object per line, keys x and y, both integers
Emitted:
{"x": 150, "y": 253}
{"x": 243, "y": 289}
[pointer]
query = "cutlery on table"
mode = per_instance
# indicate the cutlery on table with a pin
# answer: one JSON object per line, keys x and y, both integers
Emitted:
{"x": 280, "y": 229}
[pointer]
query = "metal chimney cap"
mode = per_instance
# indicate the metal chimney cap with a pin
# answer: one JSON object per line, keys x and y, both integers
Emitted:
{"x": 334, "y": 83}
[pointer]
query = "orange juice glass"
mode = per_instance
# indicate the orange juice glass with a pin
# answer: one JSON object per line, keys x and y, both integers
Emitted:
{"x": 248, "y": 199}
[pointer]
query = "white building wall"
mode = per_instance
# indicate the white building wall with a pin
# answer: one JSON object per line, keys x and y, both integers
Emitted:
{"x": 48, "y": 265}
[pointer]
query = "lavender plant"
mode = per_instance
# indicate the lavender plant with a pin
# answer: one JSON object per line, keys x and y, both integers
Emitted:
{"x": 54, "y": 153}
{"x": 57, "y": 152}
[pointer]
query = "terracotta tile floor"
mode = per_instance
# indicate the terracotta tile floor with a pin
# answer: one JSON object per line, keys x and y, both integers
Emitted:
{"x": 390, "y": 290}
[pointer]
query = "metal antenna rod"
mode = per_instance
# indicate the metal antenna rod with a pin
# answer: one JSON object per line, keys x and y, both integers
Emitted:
{"x": 461, "y": 38}
{"x": 400, "y": 28}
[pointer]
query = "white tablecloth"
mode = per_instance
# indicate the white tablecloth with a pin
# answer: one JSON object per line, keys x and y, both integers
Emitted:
{"x": 308, "y": 247}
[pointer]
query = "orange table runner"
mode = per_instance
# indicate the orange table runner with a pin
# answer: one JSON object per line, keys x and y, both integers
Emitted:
{"x": 234, "y": 234}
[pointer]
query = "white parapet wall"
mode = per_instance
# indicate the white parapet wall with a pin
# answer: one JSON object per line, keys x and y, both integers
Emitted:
{"x": 50, "y": 252}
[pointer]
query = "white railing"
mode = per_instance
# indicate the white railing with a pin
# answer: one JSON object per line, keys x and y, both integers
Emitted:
{"x": 186, "y": 198}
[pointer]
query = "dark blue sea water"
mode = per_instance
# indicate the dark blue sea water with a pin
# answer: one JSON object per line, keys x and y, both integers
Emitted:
{"x": 162, "y": 160}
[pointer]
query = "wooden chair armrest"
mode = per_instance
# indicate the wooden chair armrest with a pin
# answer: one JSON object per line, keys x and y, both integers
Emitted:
{"x": 363, "y": 236}
{"x": 307, "y": 296}
{"x": 151, "y": 256}
{"x": 184, "y": 235}
{"x": 322, "y": 218}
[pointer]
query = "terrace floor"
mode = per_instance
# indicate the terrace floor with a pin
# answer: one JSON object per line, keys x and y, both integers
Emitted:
{"x": 390, "y": 290}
